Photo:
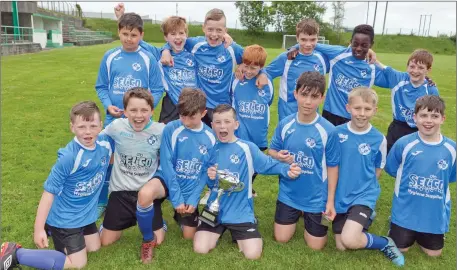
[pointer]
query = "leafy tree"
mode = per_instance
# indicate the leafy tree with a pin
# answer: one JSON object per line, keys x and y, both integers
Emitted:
{"x": 254, "y": 15}
{"x": 286, "y": 15}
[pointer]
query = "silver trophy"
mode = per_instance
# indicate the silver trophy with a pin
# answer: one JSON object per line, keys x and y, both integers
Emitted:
{"x": 227, "y": 183}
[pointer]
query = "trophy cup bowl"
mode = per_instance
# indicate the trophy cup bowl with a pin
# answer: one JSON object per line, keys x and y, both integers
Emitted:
{"x": 227, "y": 183}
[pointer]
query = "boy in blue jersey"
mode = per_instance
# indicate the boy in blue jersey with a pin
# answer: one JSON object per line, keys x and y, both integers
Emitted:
{"x": 214, "y": 61}
{"x": 68, "y": 206}
{"x": 302, "y": 138}
{"x": 252, "y": 105}
{"x": 239, "y": 158}
{"x": 406, "y": 88}
{"x": 137, "y": 142}
{"x": 185, "y": 146}
{"x": 358, "y": 142}
{"x": 307, "y": 59}
{"x": 423, "y": 164}
{"x": 121, "y": 69}
{"x": 182, "y": 73}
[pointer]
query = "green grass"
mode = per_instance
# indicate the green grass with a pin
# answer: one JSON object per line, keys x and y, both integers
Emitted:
{"x": 385, "y": 44}
{"x": 38, "y": 92}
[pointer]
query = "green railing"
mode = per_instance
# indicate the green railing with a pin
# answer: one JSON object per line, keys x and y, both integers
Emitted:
{"x": 22, "y": 35}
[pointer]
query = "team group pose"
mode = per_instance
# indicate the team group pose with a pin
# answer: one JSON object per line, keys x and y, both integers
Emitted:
{"x": 212, "y": 132}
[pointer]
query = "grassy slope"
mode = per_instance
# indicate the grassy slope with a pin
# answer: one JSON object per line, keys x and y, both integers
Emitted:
{"x": 386, "y": 44}
{"x": 35, "y": 106}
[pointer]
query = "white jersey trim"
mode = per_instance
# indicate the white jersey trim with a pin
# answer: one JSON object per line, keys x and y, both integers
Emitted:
{"x": 250, "y": 162}
{"x": 408, "y": 147}
{"x": 286, "y": 127}
{"x": 324, "y": 137}
{"x": 283, "y": 81}
{"x": 174, "y": 136}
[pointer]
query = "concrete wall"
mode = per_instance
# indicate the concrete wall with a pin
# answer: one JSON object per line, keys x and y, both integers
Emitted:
{"x": 40, "y": 38}
{"x": 10, "y": 49}
{"x": 23, "y": 7}
{"x": 57, "y": 38}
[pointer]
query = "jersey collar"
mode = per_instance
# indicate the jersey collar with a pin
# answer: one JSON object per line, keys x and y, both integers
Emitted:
{"x": 358, "y": 132}
{"x": 145, "y": 127}
{"x": 430, "y": 143}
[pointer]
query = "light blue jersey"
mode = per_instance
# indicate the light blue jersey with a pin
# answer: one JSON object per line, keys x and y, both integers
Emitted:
{"x": 182, "y": 155}
{"x": 307, "y": 143}
{"x": 136, "y": 154}
{"x": 76, "y": 181}
{"x": 357, "y": 155}
{"x": 290, "y": 71}
{"x": 423, "y": 171}
{"x": 241, "y": 159}
{"x": 404, "y": 94}
{"x": 252, "y": 106}
{"x": 215, "y": 67}
{"x": 121, "y": 71}
{"x": 175, "y": 78}
{"x": 346, "y": 73}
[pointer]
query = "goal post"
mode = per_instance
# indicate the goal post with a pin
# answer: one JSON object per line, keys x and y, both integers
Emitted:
{"x": 290, "y": 40}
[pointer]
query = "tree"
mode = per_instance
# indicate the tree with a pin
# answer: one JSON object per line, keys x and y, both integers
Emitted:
{"x": 338, "y": 15}
{"x": 254, "y": 16}
{"x": 286, "y": 15}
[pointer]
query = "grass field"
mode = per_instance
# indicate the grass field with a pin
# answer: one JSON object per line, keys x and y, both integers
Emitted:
{"x": 38, "y": 92}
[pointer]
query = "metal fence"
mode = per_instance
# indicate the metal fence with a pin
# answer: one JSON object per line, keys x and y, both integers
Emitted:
{"x": 62, "y": 7}
{"x": 416, "y": 32}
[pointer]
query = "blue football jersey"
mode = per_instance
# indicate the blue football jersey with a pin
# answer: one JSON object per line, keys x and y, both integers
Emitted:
{"x": 182, "y": 154}
{"x": 357, "y": 155}
{"x": 422, "y": 171}
{"x": 307, "y": 143}
{"x": 404, "y": 94}
{"x": 290, "y": 71}
{"x": 240, "y": 159}
{"x": 346, "y": 73}
{"x": 252, "y": 106}
{"x": 76, "y": 181}
{"x": 214, "y": 68}
{"x": 177, "y": 77}
{"x": 121, "y": 71}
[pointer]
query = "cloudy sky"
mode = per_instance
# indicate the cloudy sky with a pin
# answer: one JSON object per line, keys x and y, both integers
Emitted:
{"x": 404, "y": 15}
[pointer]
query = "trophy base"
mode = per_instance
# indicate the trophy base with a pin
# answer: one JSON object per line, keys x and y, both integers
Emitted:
{"x": 209, "y": 218}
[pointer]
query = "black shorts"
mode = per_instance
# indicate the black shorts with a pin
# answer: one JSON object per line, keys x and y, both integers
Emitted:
{"x": 336, "y": 120}
{"x": 240, "y": 231}
{"x": 404, "y": 238}
{"x": 121, "y": 210}
{"x": 190, "y": 220}
{"x": 208, "y": 118}
{"x": 358, "y": 213}
{"x": 169, "y": 111}
{"x": 286, "y": 215}
{"x": 396, "y": 130}
{"x": 71, "y": 240}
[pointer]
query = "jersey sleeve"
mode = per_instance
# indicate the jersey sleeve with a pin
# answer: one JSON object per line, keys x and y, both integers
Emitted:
{"x": 276, "y": 67}
{"x": 330, "y": 51}
{"x": 264, "y": 164}
{"x": 155, "y": 82}
{"x": 60, "y": 171}
{"x": 433, "y": 90}
{"x": 380, "y": 78}
{"x": 277, "y": 141}
{"x": 391, "y": 75}
{"x": 380, "y": 161}
{"x": 168, "y": 171}
{"x": 453, "y": 172}
{"x": 333, "y": 150}
{"x": 156, "y": 52}
{"x": 269, "y": 89}
{"x": 394, "y": 159}
{"x": 238, "y": 52}
{"x": 102, "y": 83}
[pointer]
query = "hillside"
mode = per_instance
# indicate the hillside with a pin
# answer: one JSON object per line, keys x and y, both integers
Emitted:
{"x": 383, "y": 44}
